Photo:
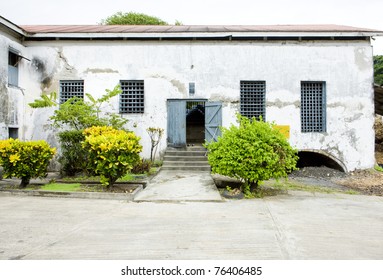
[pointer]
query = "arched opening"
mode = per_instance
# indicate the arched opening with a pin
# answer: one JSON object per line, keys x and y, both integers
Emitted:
{"x": 319, "y": 158}
{"x": 195, "y": 122}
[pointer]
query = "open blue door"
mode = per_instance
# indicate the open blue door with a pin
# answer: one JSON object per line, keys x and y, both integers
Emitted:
{"x": 213, "y": 120}
{"x": 176, "y": 123}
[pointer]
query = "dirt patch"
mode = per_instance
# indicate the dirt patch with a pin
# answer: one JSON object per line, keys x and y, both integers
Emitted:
{"x": 369, "y": 182}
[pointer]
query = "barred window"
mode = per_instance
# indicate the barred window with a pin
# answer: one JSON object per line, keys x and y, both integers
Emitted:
{"x": 132, "y": 97}
{"x": 69, "y": 89}
{"x": 252, "y": 99}
{"x": 313, "y": 106}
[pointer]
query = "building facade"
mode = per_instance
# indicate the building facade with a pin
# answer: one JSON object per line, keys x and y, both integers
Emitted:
{"x": 315, "y": 82}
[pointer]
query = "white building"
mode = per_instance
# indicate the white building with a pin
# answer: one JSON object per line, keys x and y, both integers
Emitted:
{"x": 315, "y": 80}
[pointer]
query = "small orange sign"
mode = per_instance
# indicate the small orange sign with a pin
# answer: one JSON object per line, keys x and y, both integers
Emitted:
{"x": 284, "y": 129}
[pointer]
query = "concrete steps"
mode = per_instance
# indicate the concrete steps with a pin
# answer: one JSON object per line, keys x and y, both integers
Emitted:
{"x": 192, "y": 158}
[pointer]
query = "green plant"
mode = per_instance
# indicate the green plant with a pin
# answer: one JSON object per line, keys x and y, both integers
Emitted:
{"x": 72, "y": 117}
{"x": 79, "y": 114}
{"x": 378, "y": 168}
{"x": 252, "y": 152}
{"x": 25, "y": 160}
{"x": 155, "y": 134}
{"x": 73, "y": 158}
{"x": 112, "y": 153}
{"x": 142, "y": 166}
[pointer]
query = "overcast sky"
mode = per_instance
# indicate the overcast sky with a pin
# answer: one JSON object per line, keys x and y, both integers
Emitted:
{"x": 366, "y": 13}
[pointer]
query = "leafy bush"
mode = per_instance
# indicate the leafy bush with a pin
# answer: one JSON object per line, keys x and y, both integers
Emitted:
{"x": 141, "y": 167}
{"x": 73, "y": 116}
{"x": 25, "y": 160}
{"x": 112, "y": 153}
{"x": 252, "y": 152}
{"x": 74, "y": 158}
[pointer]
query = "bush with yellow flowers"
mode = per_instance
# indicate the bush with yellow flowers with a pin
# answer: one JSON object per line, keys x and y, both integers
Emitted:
{"x": 112, "y": 153}
{"x": 25, "y": 160}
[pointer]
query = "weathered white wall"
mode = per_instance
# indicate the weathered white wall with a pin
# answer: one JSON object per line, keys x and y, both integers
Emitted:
{"x": 11, "y": 98}
{"x": 217, "y": 69}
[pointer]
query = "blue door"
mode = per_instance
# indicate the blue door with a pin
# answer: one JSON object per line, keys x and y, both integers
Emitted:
{"x": 213, "y": 120}
{"x": 176, "y": 123}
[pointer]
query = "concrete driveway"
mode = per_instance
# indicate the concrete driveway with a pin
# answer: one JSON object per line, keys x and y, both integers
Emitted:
{"x": 295, "y": 226}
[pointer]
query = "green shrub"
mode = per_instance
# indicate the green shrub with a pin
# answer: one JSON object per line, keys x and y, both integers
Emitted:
{"x": 25, "y": 160}
{"x": 112, "y": 153}
{"x": 74, "y": 158}
{"x": 252, "y": 152}
{"x": 141, "y": 167}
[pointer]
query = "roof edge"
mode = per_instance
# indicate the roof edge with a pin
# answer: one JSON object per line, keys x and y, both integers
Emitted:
{"x": 11, "y": 26}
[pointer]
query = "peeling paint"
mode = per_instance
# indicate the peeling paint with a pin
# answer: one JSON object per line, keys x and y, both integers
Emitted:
{"x": 280, "y": 104}
{"x": 100, "y": 71}
{"x": 354, "y": 118}
{"x": 4, "y": 99}
{"x": 62, "y": 57}
{"x": 179, "y": 85}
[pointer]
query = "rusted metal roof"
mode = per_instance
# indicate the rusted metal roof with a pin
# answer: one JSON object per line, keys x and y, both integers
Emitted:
{"x": 191, "y": 28}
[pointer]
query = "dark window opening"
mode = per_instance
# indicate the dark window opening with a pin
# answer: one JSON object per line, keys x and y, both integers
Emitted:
{"x": 13, "y": 132}
{"x": 252, "y": 99}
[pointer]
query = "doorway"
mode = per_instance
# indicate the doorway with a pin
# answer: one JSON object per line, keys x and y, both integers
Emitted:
{"x": 195, "y": 122}
{"x": 192, "y": 121}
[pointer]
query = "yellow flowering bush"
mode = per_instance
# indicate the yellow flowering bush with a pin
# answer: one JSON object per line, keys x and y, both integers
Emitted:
{"x": 25, "y": 160}
{"x": 112, "y": 152}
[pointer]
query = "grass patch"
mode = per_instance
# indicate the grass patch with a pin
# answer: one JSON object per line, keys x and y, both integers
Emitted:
{"x": 288, "y": 185}
{"x": 56, "y": 187}
{"x": 127, "y": 178}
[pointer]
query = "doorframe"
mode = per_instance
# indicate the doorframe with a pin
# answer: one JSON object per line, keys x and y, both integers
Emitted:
{"x": 185, "y": 100}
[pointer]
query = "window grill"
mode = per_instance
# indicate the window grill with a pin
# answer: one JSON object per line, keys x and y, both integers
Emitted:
{"x": 69, "y": 89}
{"x": 313, "y": 107}
{"x": 252, "y": 99}
{"x": 132, "y": 97}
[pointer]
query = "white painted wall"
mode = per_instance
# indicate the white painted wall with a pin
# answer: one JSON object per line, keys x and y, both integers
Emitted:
{"x": 217, "y": 68}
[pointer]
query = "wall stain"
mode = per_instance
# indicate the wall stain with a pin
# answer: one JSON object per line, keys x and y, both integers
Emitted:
{"x": 44, "y": 78}
{"x": 361, "y": 59}
{"x": 280, "y": 104}
{"x": 100, "y": 71}
{"x": 65, "y": 60}
{"x": 4, "y": 99}
{"x": 179, "y": 85}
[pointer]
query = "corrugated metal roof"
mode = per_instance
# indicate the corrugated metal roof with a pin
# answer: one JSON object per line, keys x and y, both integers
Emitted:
{"x": 189, "y": 28}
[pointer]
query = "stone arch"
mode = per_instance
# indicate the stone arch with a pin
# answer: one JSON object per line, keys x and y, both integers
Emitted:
{"x": 319, "y": 158}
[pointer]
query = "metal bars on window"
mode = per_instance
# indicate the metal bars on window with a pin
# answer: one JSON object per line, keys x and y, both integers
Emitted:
{"x": 69, "y": 89}
{"x": 313, "y": 107}
{"x": 252, "y": 99}
{"x": 132, "y": 97}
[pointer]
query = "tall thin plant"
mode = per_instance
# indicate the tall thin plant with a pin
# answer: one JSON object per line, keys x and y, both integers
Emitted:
{"x": 155, "y": 134}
